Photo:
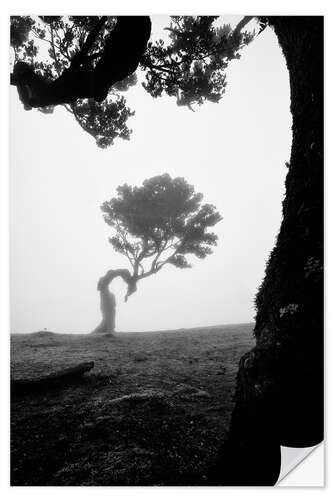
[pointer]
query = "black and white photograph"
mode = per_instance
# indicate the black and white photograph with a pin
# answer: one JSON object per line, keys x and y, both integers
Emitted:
{"x": 166, "y": 222}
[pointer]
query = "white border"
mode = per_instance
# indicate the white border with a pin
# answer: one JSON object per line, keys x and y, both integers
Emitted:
{"x": 287, "y": 7}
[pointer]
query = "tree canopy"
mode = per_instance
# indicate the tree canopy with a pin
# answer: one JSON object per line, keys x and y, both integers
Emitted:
{"x": 161, "y": 222}
{"x": 85, "y": 62}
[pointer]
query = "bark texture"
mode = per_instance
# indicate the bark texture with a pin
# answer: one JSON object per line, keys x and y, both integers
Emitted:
{"x": 279, "y": 396}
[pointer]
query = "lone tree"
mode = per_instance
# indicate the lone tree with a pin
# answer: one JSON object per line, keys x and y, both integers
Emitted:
{"x": 83, "y": 62}
{"x": 161, "y": 222}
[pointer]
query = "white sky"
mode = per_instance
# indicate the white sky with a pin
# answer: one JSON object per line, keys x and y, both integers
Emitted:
{"x": 233, "y": 152}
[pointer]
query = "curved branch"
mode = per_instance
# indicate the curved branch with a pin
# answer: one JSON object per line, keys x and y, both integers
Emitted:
{"x": 130, "y": 280}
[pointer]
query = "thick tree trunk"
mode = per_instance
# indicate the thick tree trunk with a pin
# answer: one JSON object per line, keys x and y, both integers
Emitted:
{"x": 121, "y": 56}
{"x": 279, "y": 396}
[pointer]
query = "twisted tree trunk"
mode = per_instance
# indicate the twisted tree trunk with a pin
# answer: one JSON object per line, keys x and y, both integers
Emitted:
{"x": 279, "y": 395}
{"x": 108, "y": 299}
{"x": 108, "y": 308}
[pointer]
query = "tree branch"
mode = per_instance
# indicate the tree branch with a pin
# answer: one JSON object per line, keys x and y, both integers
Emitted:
{"x": 155, "y": 266}
{"x": 243, "y": 22}
{"x": 56, "y": 62}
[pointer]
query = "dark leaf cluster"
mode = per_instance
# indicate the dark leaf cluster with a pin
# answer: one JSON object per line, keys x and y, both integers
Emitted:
{"x": 192, "y": 65}
{"x": 104, "y": 121}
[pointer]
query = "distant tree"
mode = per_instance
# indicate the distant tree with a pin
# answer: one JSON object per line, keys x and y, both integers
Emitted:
{"x": 161, "y": 222}
{"x": 90, "y": 59}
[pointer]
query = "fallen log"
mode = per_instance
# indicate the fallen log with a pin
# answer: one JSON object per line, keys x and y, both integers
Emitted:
{"x": 56, "y": 379}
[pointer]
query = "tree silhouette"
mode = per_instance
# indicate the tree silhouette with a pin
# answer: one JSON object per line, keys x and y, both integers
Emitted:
{"x": 161, "y": 222}
{"x": 90, "y": 59}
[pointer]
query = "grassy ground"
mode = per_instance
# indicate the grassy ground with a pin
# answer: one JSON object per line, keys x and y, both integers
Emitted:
{"x": 154, "y": 410}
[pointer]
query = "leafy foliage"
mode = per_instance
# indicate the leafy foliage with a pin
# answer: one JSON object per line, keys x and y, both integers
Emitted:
{"x": 159, "y": 223}
{"x": 104, "y": 121}
{"x": 191, "y": 67}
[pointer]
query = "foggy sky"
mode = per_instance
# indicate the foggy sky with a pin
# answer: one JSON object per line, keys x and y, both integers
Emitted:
{"x": 233, "y": 152}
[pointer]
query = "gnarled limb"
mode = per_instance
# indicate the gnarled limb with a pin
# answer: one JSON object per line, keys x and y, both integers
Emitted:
{"x": 120, "y": 58}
